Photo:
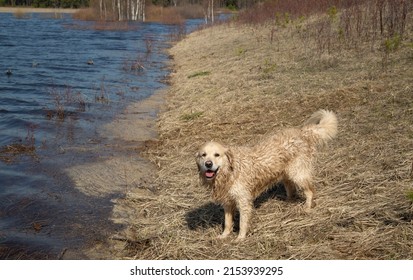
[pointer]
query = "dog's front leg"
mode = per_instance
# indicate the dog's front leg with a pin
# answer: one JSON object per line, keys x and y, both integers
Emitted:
{"x": 229, "y": 220}
{"x": 245, "y": 211}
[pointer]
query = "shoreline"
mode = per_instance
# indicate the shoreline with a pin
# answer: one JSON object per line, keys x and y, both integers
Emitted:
{"x": 117, "y": 170}
{"x": 29, "y": 10}
{"x": 126, "y": 172}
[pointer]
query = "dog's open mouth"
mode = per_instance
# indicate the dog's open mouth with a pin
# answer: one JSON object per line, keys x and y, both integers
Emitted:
{"x": 210, "y": 174}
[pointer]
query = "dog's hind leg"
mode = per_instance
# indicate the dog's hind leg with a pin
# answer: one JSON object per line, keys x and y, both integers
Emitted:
{"x": 309, "y": 194}
{"x": 302, "y": 178}
{"x": 290, "y": 189}
{"x": 308, "y": 189}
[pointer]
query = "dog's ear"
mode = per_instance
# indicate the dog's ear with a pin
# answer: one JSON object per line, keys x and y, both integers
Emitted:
{"x": 230, "y": 156}
{"x": 197, "y": 160}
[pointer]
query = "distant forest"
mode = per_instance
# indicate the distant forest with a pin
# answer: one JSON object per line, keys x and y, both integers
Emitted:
{"x": 46, "y": 3}
{"x": 234, "y": 4}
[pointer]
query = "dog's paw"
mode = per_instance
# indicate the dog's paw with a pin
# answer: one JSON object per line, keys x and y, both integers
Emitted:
{"x": 309, "y": 206}
{"x": 223, "y": 236}
{"x": 307, "y": 209}
{"x": 239, "y": 239}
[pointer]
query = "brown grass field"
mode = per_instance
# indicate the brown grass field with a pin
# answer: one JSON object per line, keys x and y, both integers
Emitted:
{"x": 234, "y": 83}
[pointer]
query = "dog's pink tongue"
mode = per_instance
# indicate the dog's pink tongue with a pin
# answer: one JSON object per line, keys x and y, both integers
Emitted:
{"x": 209, "y": 174}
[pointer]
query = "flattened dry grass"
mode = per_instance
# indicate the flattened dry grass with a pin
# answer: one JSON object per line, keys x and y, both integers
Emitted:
{"x": 363, "y": 178}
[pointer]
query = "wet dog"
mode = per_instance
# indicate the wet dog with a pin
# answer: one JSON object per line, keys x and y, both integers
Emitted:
{"x": 238, "y": 175}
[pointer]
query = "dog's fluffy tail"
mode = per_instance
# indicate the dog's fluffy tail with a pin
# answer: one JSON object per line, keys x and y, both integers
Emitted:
{"x": 323, "y": 125}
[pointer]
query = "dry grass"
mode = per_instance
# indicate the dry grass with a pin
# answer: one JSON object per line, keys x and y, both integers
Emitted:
{"x": 173, "y": 15}
{"x": 259, "y": 81}
{"x": 21, "y": 14}
{"x": 167, "y": 15}
{"x": 87, "y": 14}
{"x": 23, "y": 147}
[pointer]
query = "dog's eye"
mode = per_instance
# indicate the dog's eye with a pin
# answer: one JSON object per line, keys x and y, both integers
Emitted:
{"x": 203, "y": 155}
{"x": 216, "y": 155}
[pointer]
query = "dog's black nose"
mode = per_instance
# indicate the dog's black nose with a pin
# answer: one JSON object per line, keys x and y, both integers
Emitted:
{"x": 208, "y": 164}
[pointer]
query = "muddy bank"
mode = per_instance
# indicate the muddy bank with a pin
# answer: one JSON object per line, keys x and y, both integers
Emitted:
{"x": 122, "y": 171}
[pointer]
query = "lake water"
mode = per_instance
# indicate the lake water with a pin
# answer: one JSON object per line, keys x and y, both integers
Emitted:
{"x": 67, "y": 79}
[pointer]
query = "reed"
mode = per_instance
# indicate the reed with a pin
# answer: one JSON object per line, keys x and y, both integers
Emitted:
{"x": 21, "y": 14}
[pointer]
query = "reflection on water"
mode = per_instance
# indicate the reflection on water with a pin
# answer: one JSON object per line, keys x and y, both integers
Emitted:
{"x": 60, "y": 80}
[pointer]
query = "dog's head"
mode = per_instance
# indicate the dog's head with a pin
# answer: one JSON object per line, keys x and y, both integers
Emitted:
{"x": 211, "y": 159}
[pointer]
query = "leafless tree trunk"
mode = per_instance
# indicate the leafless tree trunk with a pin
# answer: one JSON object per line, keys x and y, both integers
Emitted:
{"x": 113, "y": 7}
{"x": 209, "y": 11}
{"x": 121, "y": 9}
{"x": 100, "y": 8}
{"x": 128, "y": 6}
{"x": 212, "y": 11}
{"x": 143, "y": 10}
{"x": 104, "y": 9}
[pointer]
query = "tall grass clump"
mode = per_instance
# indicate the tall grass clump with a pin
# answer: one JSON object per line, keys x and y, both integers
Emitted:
{"x": 178, "y": 32}
{"x": 87, "y": 14}
{"x": 335, "y": 25}
{"x": 173, "y": 14}
{"x": 65, "y": 102}
{"x": 372, "y": 20}
{"x": 274, "y": 10}
{"x": 20, "y": 14}
{"x": 167, "y": 15}
{"x": 191, "y": 11}
{"x": 27, "y": 146}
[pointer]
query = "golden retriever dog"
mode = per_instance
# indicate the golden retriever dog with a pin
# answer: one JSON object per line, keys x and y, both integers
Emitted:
{"x": 238, "y": 175}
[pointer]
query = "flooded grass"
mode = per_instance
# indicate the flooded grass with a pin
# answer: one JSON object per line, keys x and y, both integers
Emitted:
{"x": 10, "y": 153}
{"x": 23, "y": 147}
{"x": 65, "y": 103}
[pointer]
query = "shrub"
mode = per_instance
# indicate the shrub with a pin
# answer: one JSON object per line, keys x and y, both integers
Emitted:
{"x": 26, "y": 146}
{"x": 198, "y": 74}
{"x": 410, "y": 196}
{"x": 20, "y": 14}
{"x": 63, "y": 100}
{"x": 191, "y": 116}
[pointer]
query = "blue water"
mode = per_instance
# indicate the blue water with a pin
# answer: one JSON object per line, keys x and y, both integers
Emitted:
{"x": 41, "y": 213}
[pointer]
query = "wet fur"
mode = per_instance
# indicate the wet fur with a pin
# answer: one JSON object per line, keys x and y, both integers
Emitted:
{"x": 241, "y": 174}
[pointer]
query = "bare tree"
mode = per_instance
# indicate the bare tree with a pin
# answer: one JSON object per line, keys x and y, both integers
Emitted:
{"x": 102, "y": 9}
{"x": 209, "y": 10}
{"x": 122, "y": 10}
